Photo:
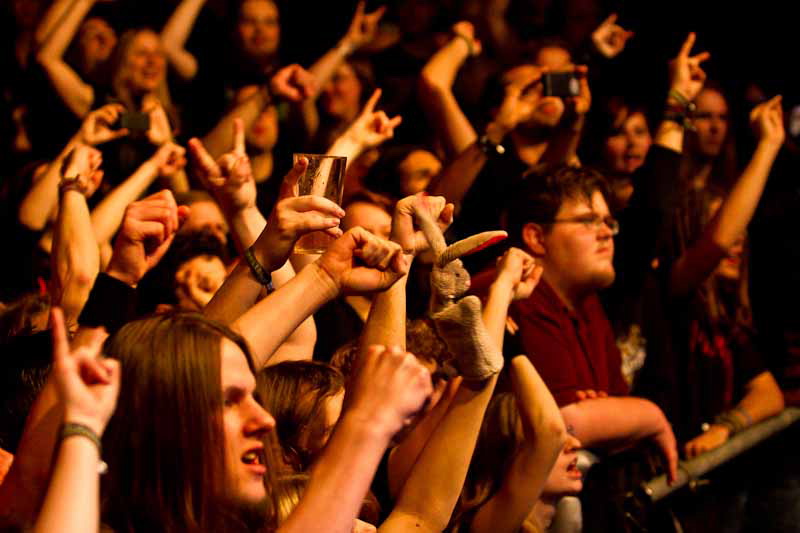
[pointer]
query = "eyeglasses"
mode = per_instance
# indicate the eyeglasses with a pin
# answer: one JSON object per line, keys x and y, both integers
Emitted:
{"x": 592, "y": 221}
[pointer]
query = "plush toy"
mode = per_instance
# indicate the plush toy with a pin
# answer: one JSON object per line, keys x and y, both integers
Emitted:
{"x": 457, "y": 317}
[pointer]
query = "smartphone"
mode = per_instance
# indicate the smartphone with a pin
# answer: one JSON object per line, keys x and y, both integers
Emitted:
{"x": 136, "y": 123}
{"x": 561, "y": 84}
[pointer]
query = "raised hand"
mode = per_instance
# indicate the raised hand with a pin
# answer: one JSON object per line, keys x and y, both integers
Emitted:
{"x": 160, "y": 131}
{"x": 465, "y": 31}
{"x": 520, "y": 272}
{"x": 293, "y": 83}
{"x": 767, "y": 121}
{"x": 363, "y": 28}
{"x": 360, "y": 262}
{"x": 685, "y": 74}
{"x": 83, "y": 164}
{"x": 229, "y": 178}
{"x": 372, "y": 128}
{"x": 294, "y": 216}
{"x": 391, "y": 386}
{"x": 87, "y": 383}
{"x": 97, "y": 126}
{"x": 610, "y": 38}
{"x": 403, "y": 233}
{"x": 170, "y": 158}
{"x": 147, "y": 231}
{"x": 520, "y": 100}
{"x": 583, "y": 101}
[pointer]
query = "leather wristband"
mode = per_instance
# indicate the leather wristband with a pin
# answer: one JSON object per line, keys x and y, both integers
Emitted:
{"x": 259, "y": 272}
{"x": 73, "y": 183}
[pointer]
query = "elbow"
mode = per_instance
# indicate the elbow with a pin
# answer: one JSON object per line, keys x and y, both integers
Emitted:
{"x": 428, "y": 86}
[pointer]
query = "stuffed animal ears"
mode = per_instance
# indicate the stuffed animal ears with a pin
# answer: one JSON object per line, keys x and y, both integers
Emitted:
{"x": 470, "y": 245}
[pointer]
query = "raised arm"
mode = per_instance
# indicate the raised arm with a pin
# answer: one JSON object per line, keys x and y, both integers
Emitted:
{"x": 87, "y": 386}
{"x": 363, "y": 29}
{"x": 436, "y": 89}
{"x": 76, "y": 93}
{"x": 544, "y": 436}
{"x": 334, "y": 272}
{"x": 391, "y": 386}
{"x": 737, "y": 209}
{"x": 75, "y": 256}
{"x": 292, "y": 83}
{"x": 615, "y": 423}
{"x": 370, "y": 129}
{"x": 107, "y": 216}
{"x": 175, "y": 34}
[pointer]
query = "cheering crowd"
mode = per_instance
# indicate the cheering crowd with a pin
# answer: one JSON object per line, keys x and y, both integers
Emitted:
{"x": 529, "y": 259}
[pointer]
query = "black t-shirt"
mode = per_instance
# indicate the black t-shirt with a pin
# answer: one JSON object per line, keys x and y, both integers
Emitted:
{"x": 337, "y": 324}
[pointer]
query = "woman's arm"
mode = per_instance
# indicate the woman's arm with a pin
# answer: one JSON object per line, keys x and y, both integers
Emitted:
{"x": 545, "y": 434}
{"x": 76, "y": 94}
{"x": 175, "y": 34}
{"x": 107, "y": 216}
{"x": 436, "y": 89}
{"x": 763, "y": 399}
{"x": 737, "y": 209}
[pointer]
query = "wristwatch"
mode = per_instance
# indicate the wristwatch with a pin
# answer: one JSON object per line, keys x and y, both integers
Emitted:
{"x": 490, "y": 147}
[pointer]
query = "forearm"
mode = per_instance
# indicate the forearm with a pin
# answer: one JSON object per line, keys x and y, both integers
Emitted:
{"x": 63, "y": 29}
{"x": 495, "y": 310}
{"x": 438, "y": 100}
{"x": 386, "y": 323}
{"x": 459, "y": 175}
{"x": 431, "y": 491}
{"x": 763, "y": 398}
{"x": 340, "y": 478}
{"x": 220, "y": 139}
{"x": 613, "y": 423}
{"x": 75, "y": 256}
{"x": 40, "y": 203}
{"x": 175, "y": 33}
{"x": 324, "y": 67}
{"x": 52, "y": 19}
{"x": 267, "y": 324}
{"x": 72, "y": 503}
{"x": 563, "y": 147}
{"x": 108, "y": 215}
{"x": 545, "y": 435}
{"x": 344, "y": 146}
{"x": 738, "y": 208}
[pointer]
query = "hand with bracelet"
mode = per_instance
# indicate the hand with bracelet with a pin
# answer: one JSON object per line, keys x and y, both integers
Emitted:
{"x": 87, "y": 383}
{"x": 686, "y": 80}
{"x": 81, "y": 170}
{"x": 292, "y": 217}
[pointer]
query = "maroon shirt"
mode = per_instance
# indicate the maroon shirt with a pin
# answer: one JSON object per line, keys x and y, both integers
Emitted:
{"x": 571, "y": 349}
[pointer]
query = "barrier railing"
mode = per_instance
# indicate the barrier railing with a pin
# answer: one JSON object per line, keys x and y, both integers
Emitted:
{"x": 568, "y": 512}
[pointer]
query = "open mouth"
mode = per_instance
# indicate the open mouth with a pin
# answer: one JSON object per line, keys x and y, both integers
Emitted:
{"x": 254, "y": 457}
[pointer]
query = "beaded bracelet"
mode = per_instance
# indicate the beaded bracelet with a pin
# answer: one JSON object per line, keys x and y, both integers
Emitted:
{"x": 72, "y": 429}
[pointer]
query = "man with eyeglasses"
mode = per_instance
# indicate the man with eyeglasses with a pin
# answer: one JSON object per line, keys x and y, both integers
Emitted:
{"x": 561, "y": 217}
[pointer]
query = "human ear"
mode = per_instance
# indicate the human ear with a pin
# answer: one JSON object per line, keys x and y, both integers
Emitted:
{"x": 533, "y": 237}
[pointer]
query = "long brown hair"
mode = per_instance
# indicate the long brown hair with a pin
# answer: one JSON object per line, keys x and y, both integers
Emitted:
{"x": 295, "y": 392}
{"x": 165, "y": 443}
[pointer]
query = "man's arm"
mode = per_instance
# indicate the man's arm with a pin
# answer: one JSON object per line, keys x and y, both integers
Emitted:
{"x": 616, "y": 423}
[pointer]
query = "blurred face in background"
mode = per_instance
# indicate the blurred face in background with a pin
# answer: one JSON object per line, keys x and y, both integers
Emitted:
{"x": 96, "y": 39}
{"x": 341, "y": 96}
{"x": 417, "y": 170}
{"x": 258, "y": 29}
{"x": 627, "y": 146}
{"x": 369, "y": 216}
{"x": 144, "y": 63}
{"x": 711, "y": 122}
{"x": 263, "y": 134}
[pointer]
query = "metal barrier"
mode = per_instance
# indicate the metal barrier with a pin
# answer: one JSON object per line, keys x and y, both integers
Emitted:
{"x": 568, "y": 511}
{"x": 690, "y": 471}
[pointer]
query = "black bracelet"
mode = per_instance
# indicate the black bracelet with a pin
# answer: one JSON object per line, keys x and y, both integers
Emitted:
{"x": 490, "y": 147}
{"x": 259, "y": 272}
